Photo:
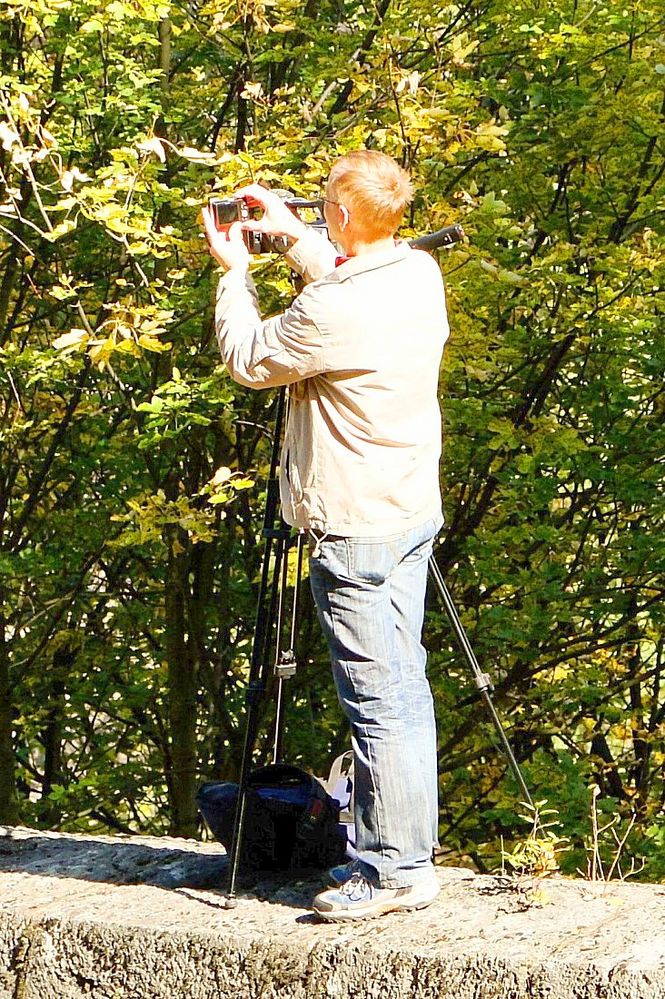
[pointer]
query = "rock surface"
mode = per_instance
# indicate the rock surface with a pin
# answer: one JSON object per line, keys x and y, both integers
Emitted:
{"x": 140, "y": 918}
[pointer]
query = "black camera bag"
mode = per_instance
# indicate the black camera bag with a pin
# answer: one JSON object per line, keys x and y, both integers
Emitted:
{"x": 290, "y": 820}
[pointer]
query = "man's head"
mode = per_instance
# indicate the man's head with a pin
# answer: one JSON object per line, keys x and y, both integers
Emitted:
{"x": 369, "y": 191}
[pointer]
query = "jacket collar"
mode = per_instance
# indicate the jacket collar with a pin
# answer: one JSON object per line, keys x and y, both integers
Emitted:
{"x": 349, "y": 266}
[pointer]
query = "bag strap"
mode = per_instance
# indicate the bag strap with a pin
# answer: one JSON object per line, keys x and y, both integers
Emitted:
{"x": 342, "y": 766}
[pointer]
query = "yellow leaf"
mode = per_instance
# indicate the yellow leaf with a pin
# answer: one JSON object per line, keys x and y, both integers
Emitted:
{"x": 8, "y": 136}
{"x": 128, "y": 347}
{"x": 153, "y": 145}
{"x": 222, "y": 475}
{"x": 101, "y": 351}
{"x": 60, "y": 293}
{"x": 150, "y": 343}
{"x": 48, "y": 139}
{"x": 69, "y": 176}
{"x": 70, "y": 341}
{"x": 61, "y": 229}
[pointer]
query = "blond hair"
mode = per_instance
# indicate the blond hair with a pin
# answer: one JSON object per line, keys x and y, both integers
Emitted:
{"x": 374, "y": 189}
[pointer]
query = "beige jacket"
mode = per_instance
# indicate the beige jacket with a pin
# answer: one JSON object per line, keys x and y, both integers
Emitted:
{"x": 360, "y": 350}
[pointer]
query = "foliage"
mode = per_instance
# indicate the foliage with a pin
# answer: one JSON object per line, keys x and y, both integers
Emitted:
{"x": 132, "y": 470}
{"x": 537, "y": 853}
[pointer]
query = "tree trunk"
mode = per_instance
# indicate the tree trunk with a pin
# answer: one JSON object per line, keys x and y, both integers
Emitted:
{"x": 8, "y": 797}
{"x": 63, "y": 660}
{"x": 182, "y": 685}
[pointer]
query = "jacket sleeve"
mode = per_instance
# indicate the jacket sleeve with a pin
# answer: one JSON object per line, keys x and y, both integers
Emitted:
{"x": 312, "y": 256}
{"x": 263, "y": 353}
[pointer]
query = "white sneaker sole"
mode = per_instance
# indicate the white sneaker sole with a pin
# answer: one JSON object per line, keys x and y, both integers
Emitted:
{"x": 378, "y": 908}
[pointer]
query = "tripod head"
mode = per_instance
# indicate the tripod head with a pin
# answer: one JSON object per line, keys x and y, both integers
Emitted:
{"x": 447, "y": 236}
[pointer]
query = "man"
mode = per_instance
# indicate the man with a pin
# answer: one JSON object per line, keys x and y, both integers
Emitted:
{"x": 360, "y": 350}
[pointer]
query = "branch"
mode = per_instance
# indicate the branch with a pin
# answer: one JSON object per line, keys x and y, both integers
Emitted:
{"x": 40, "y": 478}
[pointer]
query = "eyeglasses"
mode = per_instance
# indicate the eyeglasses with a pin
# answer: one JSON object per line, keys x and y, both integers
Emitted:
{"x": 326, "y": 201}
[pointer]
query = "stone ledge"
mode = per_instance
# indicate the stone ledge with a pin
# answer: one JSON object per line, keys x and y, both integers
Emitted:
{"x": 134, "y": 918}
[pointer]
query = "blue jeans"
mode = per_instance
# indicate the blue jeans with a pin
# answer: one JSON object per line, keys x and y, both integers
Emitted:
{"x": 370, "y": 597}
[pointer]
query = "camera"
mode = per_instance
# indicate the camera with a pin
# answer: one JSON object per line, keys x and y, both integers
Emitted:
{"x": 226, "y": 211}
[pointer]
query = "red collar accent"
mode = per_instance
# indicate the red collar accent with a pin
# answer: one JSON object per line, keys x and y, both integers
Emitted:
{"x": 343, "y": 260}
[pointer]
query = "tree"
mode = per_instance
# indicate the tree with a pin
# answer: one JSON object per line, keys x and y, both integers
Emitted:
{"x": 132, "y": 469}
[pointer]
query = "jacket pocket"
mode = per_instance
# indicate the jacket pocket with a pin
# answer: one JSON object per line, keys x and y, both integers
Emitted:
{"x": 293, "y": 478}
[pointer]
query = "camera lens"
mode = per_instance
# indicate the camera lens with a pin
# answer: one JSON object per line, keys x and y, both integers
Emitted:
{"x": 225, "y": 211}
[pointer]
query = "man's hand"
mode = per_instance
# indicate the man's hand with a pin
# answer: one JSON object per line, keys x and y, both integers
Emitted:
{"x": 228, "y": 247}
{"x": 277, "y": 220}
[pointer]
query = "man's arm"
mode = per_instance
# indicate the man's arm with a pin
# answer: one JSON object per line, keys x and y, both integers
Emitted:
{"x": 279, "y": 351}
{"x": 312, "y": 256}
{"x": 258, "y": 353}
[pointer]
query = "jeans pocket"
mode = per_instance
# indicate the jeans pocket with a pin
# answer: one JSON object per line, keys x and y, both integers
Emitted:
{"x": 331, "y": 556}
{"x": 371, "y": 561}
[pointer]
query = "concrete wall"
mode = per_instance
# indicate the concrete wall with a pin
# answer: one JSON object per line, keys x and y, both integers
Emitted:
{"x": 121, "y": 918}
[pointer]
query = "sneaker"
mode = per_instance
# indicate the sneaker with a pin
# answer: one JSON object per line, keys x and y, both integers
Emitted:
{"x": 338, "y": 875}
{"x": 357, "y": 898}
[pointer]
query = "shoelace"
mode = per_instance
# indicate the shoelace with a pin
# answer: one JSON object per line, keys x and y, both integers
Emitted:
{"x": 356, "y": 886}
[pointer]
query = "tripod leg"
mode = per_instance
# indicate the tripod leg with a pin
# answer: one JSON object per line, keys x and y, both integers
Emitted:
{"x": 285, "y": 661}
{"x": 255, "y": 689}
{"x": 276, "y": 539}
{"x": 482, "y": 680}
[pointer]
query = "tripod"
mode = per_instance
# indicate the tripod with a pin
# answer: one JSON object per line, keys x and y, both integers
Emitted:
{"x": 268, "y": 627}
{"x": 270, "y": 616}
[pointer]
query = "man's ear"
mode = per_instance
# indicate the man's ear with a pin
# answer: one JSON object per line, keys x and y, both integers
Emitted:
{"x": 343, "y": 217}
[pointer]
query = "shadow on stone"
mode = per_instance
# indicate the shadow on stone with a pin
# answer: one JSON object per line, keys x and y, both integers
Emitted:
{"x": 116, "y": 861}
{"x": 119, "y": 861}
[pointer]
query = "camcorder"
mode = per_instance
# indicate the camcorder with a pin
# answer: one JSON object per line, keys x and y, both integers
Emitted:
{"x": 226, "y": 211}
